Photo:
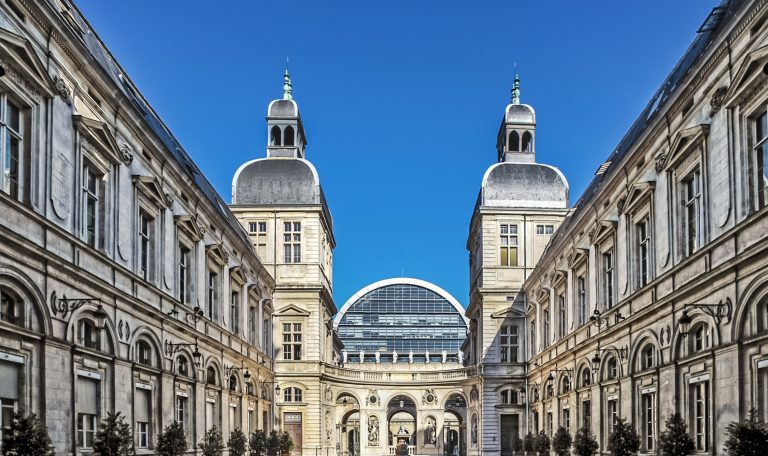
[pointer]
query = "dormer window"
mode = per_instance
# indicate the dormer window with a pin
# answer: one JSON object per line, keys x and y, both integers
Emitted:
{"x": 276, "y": 136}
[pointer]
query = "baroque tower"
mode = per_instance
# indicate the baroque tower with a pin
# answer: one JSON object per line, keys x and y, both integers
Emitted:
{"x": 280, "y": 203}
{"x": 520, "y": 205}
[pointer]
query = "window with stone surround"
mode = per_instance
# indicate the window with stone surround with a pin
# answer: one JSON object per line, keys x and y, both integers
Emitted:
{"x": 185, "y": 272}
{"x": 11, "y": 307}
{"x": 143, "y": 416}
{"x": 608, "y": 267}
{"x": 698, "y": 396}
{"x": 648, "y": 420}
{"x": 146, "y": 245}
{"x": 292, "y": 242}
{"x": 760, "y": 158}
{"x": 691, "y": 212}
{"x": 292, "y": 341}
{"x": 12, "y": 129}
{"x": 93, "y": 206}
{"x": 508, "y": 245}
{"x": 508, "y": 343}
{"x": 87, "y": 406}
{"x": 643, "y": 251}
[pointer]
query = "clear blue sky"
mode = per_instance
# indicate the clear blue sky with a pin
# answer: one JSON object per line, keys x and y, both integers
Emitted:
{"x": 401, "y": 100}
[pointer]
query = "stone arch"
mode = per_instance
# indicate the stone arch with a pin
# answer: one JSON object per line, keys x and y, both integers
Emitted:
{"x": 212, "y": 362}
{"x": 678, "y": 339}
{"x": 527, "y": 142}
{"x": 22, "y": 285}
{"x": 88, "y": 313}
{"x": 147, "y": 334}
{"x": 275, "y": 136}
{"x": 581, "y": 367}
{"x": 603, "y": 370}
{"x": 645, "y": 337}
{"x": 450, "y": 394}
{"x": 513, "y": 145}
{"x": 755, "y": 293}
{"x": 350, "y": 394}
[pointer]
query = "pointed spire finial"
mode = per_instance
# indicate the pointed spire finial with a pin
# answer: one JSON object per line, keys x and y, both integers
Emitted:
{"x": 516, "y": 90}
{"x": 287, "y": 85}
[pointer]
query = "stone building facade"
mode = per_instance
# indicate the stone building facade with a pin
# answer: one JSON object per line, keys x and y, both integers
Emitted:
{"x": 651, "y": 296}
{"x": 126, "y": 284}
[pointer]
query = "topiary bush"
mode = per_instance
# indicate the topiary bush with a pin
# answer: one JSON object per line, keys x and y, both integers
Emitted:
{"x": 674, "y": 440}
{"x": 212, "y": 443}
{"x": 172, "y": 441}
{"x": 561, "y": 442}
{"x": 747, "y": 438}
{"x": 585, "y": 443}
{"x": 113, "y": 437}
{"x": 624, "y": 440}
{"x": 27, "y": 436}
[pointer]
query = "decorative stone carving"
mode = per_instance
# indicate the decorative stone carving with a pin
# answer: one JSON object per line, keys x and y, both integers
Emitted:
{"x": 430, "y": 431}
{"x": 123, "y": 331}
{"x": 62, "y": 89}
{"x": 344, "y": 356}
{"x": 373, "y": 430}
{"x": 372, "y": 397}
{"x": 429, "y": 396}
{"x": 660, "y": 160}
{"x": 169, "y": 198}
{"x": 716, "y": 102}
{"x": 620, "y": 204}
{"x": 328, "y": 394}
{"x": 14, "y": 73}
{"x": 126, "y": 154}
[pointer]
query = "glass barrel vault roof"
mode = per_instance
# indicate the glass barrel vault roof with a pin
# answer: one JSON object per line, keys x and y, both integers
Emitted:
{"x": 402, "y": 315}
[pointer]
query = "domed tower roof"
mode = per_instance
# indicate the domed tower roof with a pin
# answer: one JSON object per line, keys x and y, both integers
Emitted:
{"x": 517, "y": 181}
{"x": 284, "y": 177}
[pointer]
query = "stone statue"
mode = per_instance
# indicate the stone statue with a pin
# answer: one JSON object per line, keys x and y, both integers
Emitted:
{"x": 445, "y": 356}
{"x": 378, "y": 357}
{"x": 430, "y": 432}
{"x": 426, "y": 356}
{"x": 344, "y": 356}
{"x": 394, "y": 356}
{"x": 461, "y": 357}
{"x": 362, "y": 356}
{"x": 373, "y": 430}
{"x": 410, "y": 356}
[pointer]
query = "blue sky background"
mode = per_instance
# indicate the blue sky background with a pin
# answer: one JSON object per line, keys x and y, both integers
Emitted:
{"x": 401, "y": 100}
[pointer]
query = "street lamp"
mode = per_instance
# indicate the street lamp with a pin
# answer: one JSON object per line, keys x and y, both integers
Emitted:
{"x": 171, "y": 349}
{"x": 621, "y": 354}
{"x": 719, "y": 312}
{"x": 229, "y": 370}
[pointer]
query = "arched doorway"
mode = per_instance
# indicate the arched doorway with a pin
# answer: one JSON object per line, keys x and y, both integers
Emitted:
{"x": 348, "y": 430}
{"x": 401, "y": 425}
{"x": 454, "y": 427}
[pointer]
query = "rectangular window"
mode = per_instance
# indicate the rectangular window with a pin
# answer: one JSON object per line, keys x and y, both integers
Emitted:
{"x": 234, "y": 311}
{"x": 86, "y": 429}
{"x": 213, "y": 293}
{"x": 11, "y": 125}
{"x": 142, "y": 417}
{"x": 761, "y": 159}
{"x": 581, "y": 283}
{"x": 545, "y": 229}
{"x": 549, "y": 423}
{"x": 292, "y": 242}
{"x": 267, "y": 336}
{"x": 182, "y": 411}
{"x": 508, "y": 344}
{"x": 699, "y": 397}
{"x": 648, "y": 419}
{"x": 611, "y": 415}
{"x": 185, "y": 273}
{"x": 146, "y": 246}
{"x": 252, "y": 321}
{"x": 7, "y": 408}
{"x": 691, "y": 209}
{"x": 567, "y": 419}
{"x": 545, "y": 317}
{"x": 87, "y": 406}
{"x": 9, "y": 395}
{"x": 533, "y": 337}
{"x": 210, "y": 415}
{"x": 260, "y": 233}
{"x": 508, "y": 243}
{"x": 586, "y": 414}
{"x": 608, "y": 279}
{"x": 91, "y": 209}
{"x": 563, "y": 315}
{"x": 292, "y": 341}
{"x": 643, "y": 251}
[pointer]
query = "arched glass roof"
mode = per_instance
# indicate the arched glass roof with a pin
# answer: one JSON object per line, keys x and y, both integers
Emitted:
{"x": 402, "y": 315}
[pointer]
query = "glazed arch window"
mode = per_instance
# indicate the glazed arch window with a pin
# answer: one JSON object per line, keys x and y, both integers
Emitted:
{"x": 11, "y": 307}
{"x": 233, "y": 383}
{"x": 12, "y": 129}
{"x": 144, "y": 353}
{"x": 699, "y": 338}
{"x": 87, "y": 334}
{"x": 509, "y": 396}
{"x": 565, "y": 385}
{"x": 292, "y": 395}
{"x": 586, "y": 377}
{"x": 611, "y": 369}
{"x": 182, "y": 366}
{"x": 647, "y": 357}
{"x": 210, "y": 376}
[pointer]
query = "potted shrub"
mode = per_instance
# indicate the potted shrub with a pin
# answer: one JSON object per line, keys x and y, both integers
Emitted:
{"x": 113, "y": 437}
{"x": 285, "y": 443}
{"x": 212, "y": 443}
{"x": 561, "y": 442}
{"x": 747, "y": 438}
{"x": 273, "y": 444}
{"x": 674, "y": 440}
{"x": 516, "y": 444}
{"x": 257, "y": 444}
{"x": 585, "y": 443}
{"x": 542, "y": 444}
{"x": 624, "y": 440}
{"x": 172, "y": 441}
{"x": 27, "y": 435}
{"x": 529, "y": 443}
{"x": 237, "y": 443}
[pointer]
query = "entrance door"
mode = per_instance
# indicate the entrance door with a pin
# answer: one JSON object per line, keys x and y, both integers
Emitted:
{"x": 292, "y": 425}
{"x": 510, "y": 428}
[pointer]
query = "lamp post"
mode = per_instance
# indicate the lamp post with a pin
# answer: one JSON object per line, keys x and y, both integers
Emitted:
{"x": 171, "y": 349}
{"x": 599, "y": 320}
{"x": 723, "y": 310}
